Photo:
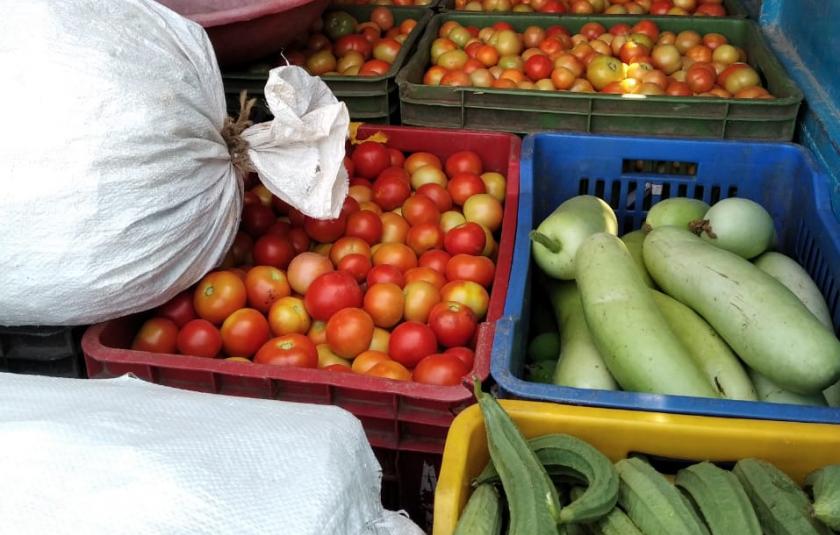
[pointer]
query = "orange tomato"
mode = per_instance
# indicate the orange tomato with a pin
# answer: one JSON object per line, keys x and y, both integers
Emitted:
{"x": 349, "y": 332}
{"x": 395, "y": 254}
{"x": 384, "y": 303}
{"x": 380, "y": 340}
{"x": 433, "y": 277}
{"x": 367, "y": 360}
{"x": 420, "y": 297}
{"x": 394, "y": 228}
{"x": 288, "y": 315}
{"x": 317, "y": 332}
{"x": 218, "y": 295}
{"x": 390, "y": 369}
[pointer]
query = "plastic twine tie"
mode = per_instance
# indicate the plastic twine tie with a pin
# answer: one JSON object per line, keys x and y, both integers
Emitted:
{"x": 232, "y": 134}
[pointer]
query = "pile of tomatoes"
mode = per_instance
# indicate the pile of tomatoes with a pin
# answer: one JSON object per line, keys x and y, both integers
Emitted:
{"x": 638, "y": 59}
{"x": 708, "y": 8}
{"x": 399, "y": 3}
{"x": 395, "y": 287}
{"x": 338, "y": 44}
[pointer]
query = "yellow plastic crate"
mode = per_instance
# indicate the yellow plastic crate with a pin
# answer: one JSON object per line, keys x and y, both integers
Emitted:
{"x": 795, "y": 448}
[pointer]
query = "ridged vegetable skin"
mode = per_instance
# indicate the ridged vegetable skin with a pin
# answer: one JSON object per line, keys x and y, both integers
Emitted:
{"x": 825, "y": 484}
{"x": 482, "y": 514}
{"x": 720, "y": 498}
{"x": 766, "y": 324}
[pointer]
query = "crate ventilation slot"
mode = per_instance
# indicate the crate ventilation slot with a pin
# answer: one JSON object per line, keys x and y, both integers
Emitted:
{"x": 659, "y": 167}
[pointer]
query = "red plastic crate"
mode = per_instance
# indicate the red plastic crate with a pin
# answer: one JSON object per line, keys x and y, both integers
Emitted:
{"x": 397, "y": 415}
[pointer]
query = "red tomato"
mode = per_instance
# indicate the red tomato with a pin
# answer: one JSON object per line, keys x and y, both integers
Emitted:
{"x": 410, "y": 342}
{"x": 331, "y": 292}
{"x": 435, "y": 259}
{"x": 467, "y": 238}
{"x": 467, "y": 293}
{"x": 389, "y": 369}
{"x": 454, "y": 324}
{"x": 256, "y": 219}
{"x": 592, "y": 30}
{"x": 465, "y": 161}
{"x": 157, "y": 335}
{"x": 296, "y": 217}
{"x": 280, "y": 206}
{"x": 366, "y": 225}
{"x": 440, "y": 369}
{"x": 538, "y": 67}
{"x": 199, "y": 338}
{"x": 478, "y": 269}
{"x": 501, "y": 25}
{"x": 273, "y": 250}
{"x": 464, "y": 354}
{"x": 385, "y": 273}
{"x": 701, "y": 77}
{"x": 437, "y": 194}
{"x": 241, "y": 249}
{"x": 399, "y": 255}
{"x": 349, "y": 332}
{"x": 337, "y": 368}
{"x": 355, "y": 264}
{"x": 300, "y": 240}
{"x": 350, "y": 206}
{"x": 390, "y": 192}
{"x": 264, "y": 285}
{"x": 435, "y": 278}
{"x": 244, "y": 332}
{"x": 290, "y": 350}
{"x": 179, "y": 309}
{"x": 395, "y": 171}
{"x": 370, "y": 158}
{"x": 384, "y": 302}
{"x": 424, "y": 237}
{"x": 325, "y": 230}
{"x": 354, "y": 43}
{"x": 346, "y": 246}
{"x": 647, "y": 27}
{"x": 678, "y": 89}
{"x": 375, "y": 67}
{"x": 218, "y": 295}
{"x": 465, "y": 185}
{"x": 279, "y": 228}
{"x": 397, "y": 158}
{"x": 419, "y": 209}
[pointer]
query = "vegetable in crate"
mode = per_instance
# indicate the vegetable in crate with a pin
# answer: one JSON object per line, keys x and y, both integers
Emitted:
{"x": 773, "y": 393}
{"x": 738, "y": 225}
{"x": 580, "y": 364}
{"x": 710, "y": 353}
{"x": 721, "y": 499}
{"x": 766, "y": 325}
{"x": 674, "y": 212}
{"x": 607, "y": 7}
{"x": 631, "y": 334}
{"x": 633, "y": 241}
{"x": 825, "y": 485}
{"x": 482, "y": 514}
{"x": 556, "y": 240}
{"x": 785, "y": 270}
{"x": 531, "y": 495}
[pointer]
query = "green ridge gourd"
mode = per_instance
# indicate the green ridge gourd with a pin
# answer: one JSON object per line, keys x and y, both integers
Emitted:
{"x": 482, "y": 514}
{"x": 760, "y": 319}
{"x": 825, "y": 484}
{"x": 721, "y": 499}
{"x": 532, "y": 498}
{"x": 555, "y": 241}
{"x": 614, "y": 522}
{"x": 639, "y": 348}
{"x": 722, "y": 368}
{"x": 580, "y": 365}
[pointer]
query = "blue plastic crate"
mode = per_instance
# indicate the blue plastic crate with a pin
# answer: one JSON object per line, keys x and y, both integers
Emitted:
{"x": 632, "y": 174}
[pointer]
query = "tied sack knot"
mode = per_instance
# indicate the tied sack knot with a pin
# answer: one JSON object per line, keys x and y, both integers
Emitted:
{"x": 232, "y": 134}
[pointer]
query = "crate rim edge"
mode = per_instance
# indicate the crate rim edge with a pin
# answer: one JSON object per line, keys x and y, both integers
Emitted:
{"x": 618, "y": 400}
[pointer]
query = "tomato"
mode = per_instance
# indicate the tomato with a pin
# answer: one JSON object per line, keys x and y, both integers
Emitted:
{"x": 349, "y": 332}
{"x": 456, "y": 78}
{"x": 468, "y": 238}
{"x": 179, "y": 309}
{"x": 300, "y": 240}
{"x": 538, "y": 67}
{"x": 454, "y": 324}
{"x": 478, "y": 269}
{"x": 375, "y": 67}
{"x": 647, "y": 27}
{"x": 273, "y": 250}
{"x": 389, "y": 369}
{"x": 410, "y": 342}
{"x": 390, "y": 192}
{"x": 420, "y": 297}
{"x": 346, "y": 246}
{"x": 396, "y": 157}
{"x": 331, "y": 292}
{"x": 450, "y": 220}
{"x": 678, "y": 89}
{"x": 362, "y": 193}
{"x": 562, "y": 78}
{"x": 256, "y": 219}
{"x": 398, "y": 255}
{"x": 603, "y": 70}
{"x": 738, "y": 76}
{"x": 244, "y": 332}
{"x": 384, "y": 303}
{"x": 317, "y": 331}
{"x": 419, "y": 209}
{"x": 435, "y": 259}
{"x": 465, "y": 185}
{"x": 199, "y": 338}
{"x": 218, "y": 295}
{"x": 495, "y": 185}
{"x": 386, "y": 50}
{"x": 288, "y": 315}
{"x": 337, "y": 368}
{"x": 370, "y": 158}
{"x": 393, "y": 170}
{"x": 321, "y": 62}
{"x": 349, "y": 206}
{"x": 355, "y": 264}
{"x": 753, "y": 92}
{"x": 421, "y": 159}
{"x": 353, "y": 43}
{"x": 264, "y": 285}
{"x": 366, "y": 225}
{"x": 467, "y": 293}
{"x": 290, "y": 350}
{"x": 428, "y": 174}
{"x": 156, "y": 335}
{"x": 305, "y": 268}
{"x": 385, "y": 273}
{"x": 464, "y": 354}
{"x": 367, "y": 360}
{"x": 435, "y": 278}
{"x": 465, "y": 161}
{"x": 700, "y": 77}
{"x": 241, "y": 249}
{"x": 438, "y": 194}
{"x": 440, "y": 369}
{"x": 279, "y": 228}
{"x": 325, "y": 230}
{"x": 338, "y": 24}
{"x": 484, "y": 209}
{"x": 424, "y": 237}
{"x": 714, "y": 40}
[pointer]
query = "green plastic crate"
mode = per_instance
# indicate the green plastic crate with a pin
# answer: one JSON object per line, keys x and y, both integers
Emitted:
{"x": 528, "y": 111}
{"x": 734, "y": 9}
{"x": 372, "y": 99}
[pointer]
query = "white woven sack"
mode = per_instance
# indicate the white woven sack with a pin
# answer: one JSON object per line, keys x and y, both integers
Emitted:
{"x": 117, "y": 188}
